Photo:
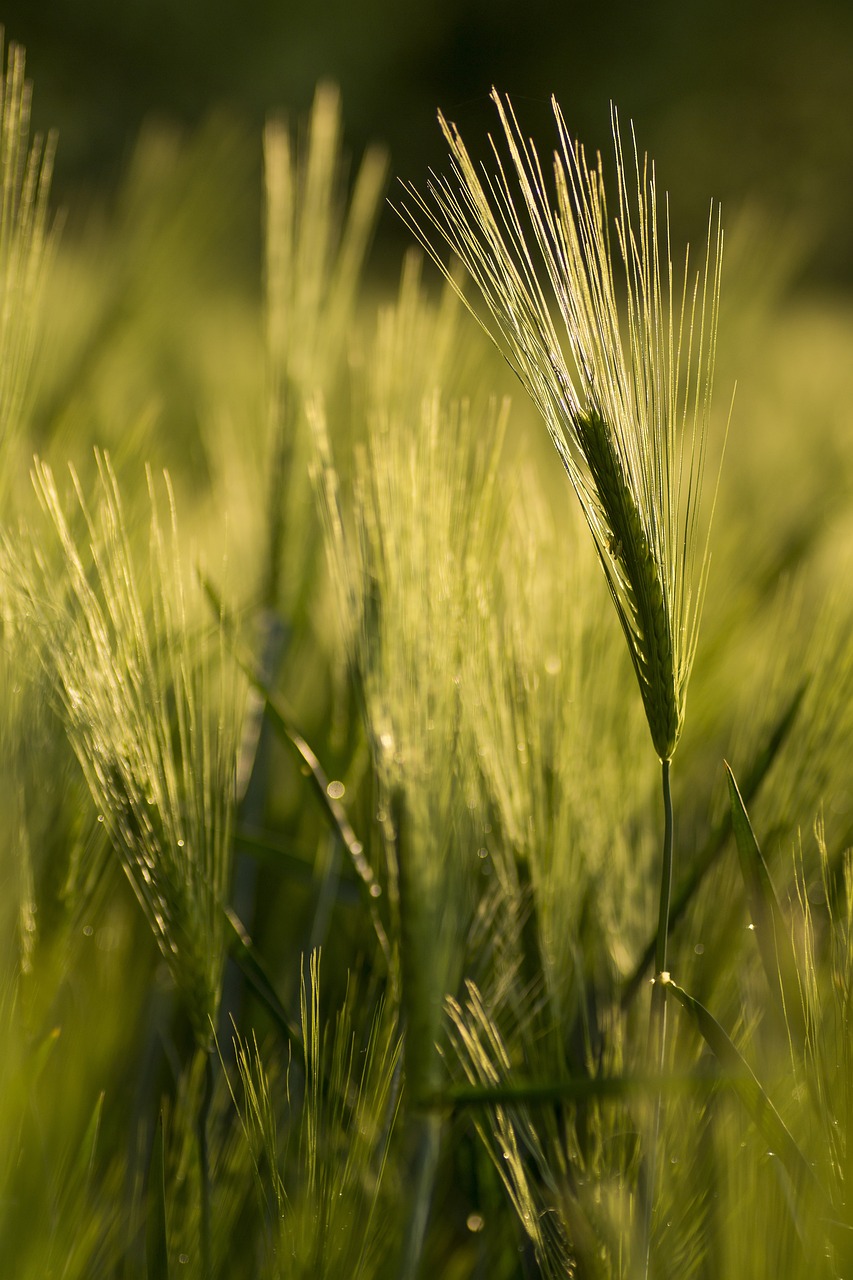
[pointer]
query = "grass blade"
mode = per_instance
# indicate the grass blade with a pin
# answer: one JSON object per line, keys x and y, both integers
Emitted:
{"x": 750, "y": 1091}
{"x": 246, "y": 957}
{"x": 156, "y": 1246}
{"x": 716, "y": 842}
{"x": 546, "y": 1092}
{"x": 270, "y": 852}
{"x": 772, "y": 934}
{"x": 89, "y": 1145}
{"x": 333, "y": 810}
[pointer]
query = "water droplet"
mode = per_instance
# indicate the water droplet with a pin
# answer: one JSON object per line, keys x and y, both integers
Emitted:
{"x": 88, "y": 930}
{"x": 386, "y": 741}
{"x": 553, "y": 664}
{"x": 475, "y": 1222}
{"x": 180, "y": 844}
{"x": 751, "y": 928}
{"x": 482, "y": 853}
{"x": 699, "y": 948}
{"x": 356, "y": 848}
{"x": 100, "y": 817}
{"x": 376, "y": 891}
{"x": 183, "y": 1258}
{"x": 335, "y": 790}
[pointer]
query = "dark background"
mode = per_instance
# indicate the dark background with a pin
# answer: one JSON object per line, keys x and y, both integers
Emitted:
{"x": 749, "y": 102}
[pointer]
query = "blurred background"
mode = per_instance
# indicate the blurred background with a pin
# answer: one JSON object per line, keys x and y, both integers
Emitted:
{"x": 155, "y": 348}
{"x": 750, "y": 102}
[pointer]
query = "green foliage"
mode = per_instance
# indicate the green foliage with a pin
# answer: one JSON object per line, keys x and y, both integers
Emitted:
{"x": 347, "y": 681}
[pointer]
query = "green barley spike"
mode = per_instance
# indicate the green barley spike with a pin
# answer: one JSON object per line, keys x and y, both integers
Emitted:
{"x": 616, "y": 349}
{"x": 644, "y": 614}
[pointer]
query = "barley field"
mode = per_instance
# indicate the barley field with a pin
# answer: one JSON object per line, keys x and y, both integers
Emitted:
{"x": 426, "y": 713}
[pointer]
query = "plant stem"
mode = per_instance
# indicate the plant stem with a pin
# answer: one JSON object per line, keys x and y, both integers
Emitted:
{"x": 428, "y": 1128}
{"x": 657, "y": 1017}
{"x": 204, "y": 1166}
{"x": 422, "y": 1008}
{"x": 665, "y": 879}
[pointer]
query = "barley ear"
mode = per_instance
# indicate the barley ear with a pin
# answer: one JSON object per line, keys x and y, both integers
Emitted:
{"x": 634, "y": 577}
{"x": 616, "y": 347}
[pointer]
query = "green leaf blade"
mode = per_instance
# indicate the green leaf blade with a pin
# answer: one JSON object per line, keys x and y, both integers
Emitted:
{"x": 772, "y": 933}
{"x": 156, "y": 1244}
{"x": 749, "y": 1089}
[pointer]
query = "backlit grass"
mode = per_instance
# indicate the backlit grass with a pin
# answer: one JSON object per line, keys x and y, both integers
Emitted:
{"x": 332, "y": 843}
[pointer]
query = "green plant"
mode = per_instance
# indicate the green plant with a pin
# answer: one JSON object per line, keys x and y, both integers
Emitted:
{"x": 626, "y": 401}
{"x": 345, "y": 682}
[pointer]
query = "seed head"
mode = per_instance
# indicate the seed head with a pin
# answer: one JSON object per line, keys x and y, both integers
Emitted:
{"x": 622, "y": 376}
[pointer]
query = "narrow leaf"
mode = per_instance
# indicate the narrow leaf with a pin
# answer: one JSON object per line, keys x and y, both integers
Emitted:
{"x": 247, "y": 958}
{"x": 89, "y": 1145}
{"x": 333, "y": 810}
{"x": 685, "y": 892}
{"x": 753, "y": 1096}
{"x": 575, "y": 1088}
{"x": 42, "y": 1052}
{"x": 772, "y": 934}
{"x": 265, "y": 849}
{"x": 79, "y": 1174}
{"x": 156, "y": 1246}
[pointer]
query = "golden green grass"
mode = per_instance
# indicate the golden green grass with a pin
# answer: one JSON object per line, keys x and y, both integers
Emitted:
{"x": 348, "y": 681}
